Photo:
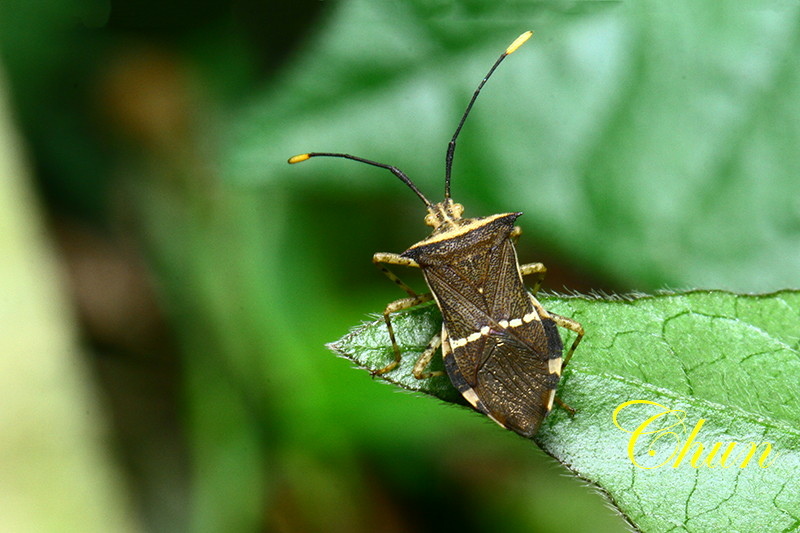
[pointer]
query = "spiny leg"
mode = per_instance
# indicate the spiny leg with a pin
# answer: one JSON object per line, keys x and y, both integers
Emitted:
{"x": 564, "y": 406}
{"x": 425, "y": 359}
{"x": 399, "y": 305}
{"x": 571, "y": 325}
{"x": 394, "y": 259}
{"x": 534, "y": 268}
{"x": 531, "y": 268}
{"x": 379, "y": 259}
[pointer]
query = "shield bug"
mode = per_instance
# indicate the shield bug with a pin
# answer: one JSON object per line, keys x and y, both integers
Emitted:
{"x": 501, "y": 348}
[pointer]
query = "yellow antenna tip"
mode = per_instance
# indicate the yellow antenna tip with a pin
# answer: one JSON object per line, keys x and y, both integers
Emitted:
{"x": 298, "y": 158}
{"x": 519, "y": 41}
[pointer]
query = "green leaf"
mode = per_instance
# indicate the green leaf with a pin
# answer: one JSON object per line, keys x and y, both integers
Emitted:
{"x": 731, "y": 360}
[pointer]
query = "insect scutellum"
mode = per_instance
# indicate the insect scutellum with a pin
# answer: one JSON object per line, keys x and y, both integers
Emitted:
{"x": 445, "y": 213}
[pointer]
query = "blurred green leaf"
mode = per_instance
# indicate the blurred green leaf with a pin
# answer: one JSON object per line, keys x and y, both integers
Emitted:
{"x": 57, "y": 472}
{"x": 732, "y": 360}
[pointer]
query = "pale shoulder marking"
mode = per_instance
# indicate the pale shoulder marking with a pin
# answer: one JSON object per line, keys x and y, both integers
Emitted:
{"x": 460, "y": 230}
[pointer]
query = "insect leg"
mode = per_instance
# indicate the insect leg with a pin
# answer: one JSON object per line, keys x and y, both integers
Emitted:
{"x": 399, "y": 305}
{"x": 531, "y": 268}
{"x": 534, "y": 268}
{"x": 425, "y": 359}
{"x": 515, "y": 234}
{"x": 564, "y": 406}
{"x": 394, "y": 259}
{"x": 571, "y": 325}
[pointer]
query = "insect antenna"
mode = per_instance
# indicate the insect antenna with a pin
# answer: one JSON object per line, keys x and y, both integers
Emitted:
{"x": 394, "y": 170}
{"x": 451, "y": 148}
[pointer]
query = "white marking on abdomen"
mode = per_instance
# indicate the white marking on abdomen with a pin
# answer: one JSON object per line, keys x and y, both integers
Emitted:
{"x": 471, "y": 397}
{"x": 554, "y": 365}
{"x": 485, "y": 330}
{"x": 549, "y": 401}
{"x": 530, "y": 317}
{"x": 472, "y": 337}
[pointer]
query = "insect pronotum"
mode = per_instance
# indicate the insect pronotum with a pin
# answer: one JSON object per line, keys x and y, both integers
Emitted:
{"x": 501, "y": 348}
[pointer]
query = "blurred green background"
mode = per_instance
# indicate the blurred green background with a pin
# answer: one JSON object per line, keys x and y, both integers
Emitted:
{"x": 171, "y": 282}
